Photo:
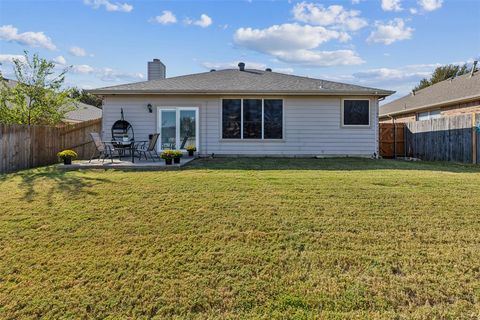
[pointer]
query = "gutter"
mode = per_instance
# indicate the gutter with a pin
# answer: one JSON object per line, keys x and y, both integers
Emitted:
{"x": 293, "y": 93}
{"x": 433, "y": 105}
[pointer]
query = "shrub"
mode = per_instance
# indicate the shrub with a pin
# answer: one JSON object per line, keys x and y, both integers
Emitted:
{"x": 191, "y": 148}
{"x": 168, "y": 154}
{"x": 67, "y": 154}
{"x": 177, "y": 154}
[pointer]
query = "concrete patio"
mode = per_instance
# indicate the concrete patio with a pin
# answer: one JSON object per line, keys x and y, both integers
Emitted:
{"x": 124, "y": 164}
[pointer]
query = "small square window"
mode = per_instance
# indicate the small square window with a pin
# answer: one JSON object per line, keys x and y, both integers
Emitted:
{"x": 356, "y": 113}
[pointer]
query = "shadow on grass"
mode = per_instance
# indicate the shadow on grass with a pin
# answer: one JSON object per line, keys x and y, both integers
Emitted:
{"x": 336, "y": 164}
{"x": 59, "y": 182}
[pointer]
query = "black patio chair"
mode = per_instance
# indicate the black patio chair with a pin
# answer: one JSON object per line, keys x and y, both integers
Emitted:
{"x": 103, "y": 149}
{"x": 143, "y": 149}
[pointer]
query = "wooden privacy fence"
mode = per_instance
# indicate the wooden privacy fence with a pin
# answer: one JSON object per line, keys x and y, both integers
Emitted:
{"x": 451, "y": 138}
{"x": 23, "y": 146}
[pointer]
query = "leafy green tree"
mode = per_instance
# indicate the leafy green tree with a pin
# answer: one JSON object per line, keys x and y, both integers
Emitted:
{"x": 38, "y": 96}
{"x": 85, "y": 97}
{"x": 443, "y": 73}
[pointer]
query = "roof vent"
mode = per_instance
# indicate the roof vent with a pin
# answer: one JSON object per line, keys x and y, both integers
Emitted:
{"x": 268, "y": 69}
{"x": 473, "y": 68}
{"x": 241, "y": 66}
{"x": 212, "y": 70}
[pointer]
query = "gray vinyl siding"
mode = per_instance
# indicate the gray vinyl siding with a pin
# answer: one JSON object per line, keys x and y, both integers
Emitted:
{"x": 312, "y": 126}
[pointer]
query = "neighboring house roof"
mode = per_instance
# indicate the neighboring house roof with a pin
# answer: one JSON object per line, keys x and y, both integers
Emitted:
{"x": 234, "y": 81}
{"x": 455, "y": 90}
{"x": 83, "y": 112}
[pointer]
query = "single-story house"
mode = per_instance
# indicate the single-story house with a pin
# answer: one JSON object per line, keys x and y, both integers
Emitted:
{"x": 81, "y": 111}
{"x": 242, "y": 111}
{"x": 450, "y": 97}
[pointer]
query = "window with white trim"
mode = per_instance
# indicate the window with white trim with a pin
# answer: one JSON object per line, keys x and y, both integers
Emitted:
{"x": 356, "y": 112}
{"x": 252, "y": 119}
{"x": 434, "y": 114}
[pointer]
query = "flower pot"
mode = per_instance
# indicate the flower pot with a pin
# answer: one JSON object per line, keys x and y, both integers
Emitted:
{"x": 190, "y": 153}
{"x": 67, "y": 160}
{"x": 176, "y": 160}
{"x": 168, "y": 161}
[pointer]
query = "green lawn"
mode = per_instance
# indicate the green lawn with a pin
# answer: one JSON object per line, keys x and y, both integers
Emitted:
{"x": 246, "y": 238}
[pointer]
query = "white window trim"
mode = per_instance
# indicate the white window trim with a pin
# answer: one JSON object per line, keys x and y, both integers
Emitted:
{"x": 262, "y": 139}
{"x": 342, "y": 114}
{"x": 177, "y": 124}
{"x": 436, "y": 116}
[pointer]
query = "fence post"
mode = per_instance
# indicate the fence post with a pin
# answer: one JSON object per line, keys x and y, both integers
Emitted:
{"x": 474, "y": 138}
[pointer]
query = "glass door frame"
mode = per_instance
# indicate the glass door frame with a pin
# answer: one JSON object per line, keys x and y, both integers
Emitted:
{"x": 177, "y": 125}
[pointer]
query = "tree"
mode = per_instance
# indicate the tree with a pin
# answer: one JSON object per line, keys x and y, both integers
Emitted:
{"x": 442, "y": 73}
{"x": 38, "y": 96}
{"x": 85, "y": 97}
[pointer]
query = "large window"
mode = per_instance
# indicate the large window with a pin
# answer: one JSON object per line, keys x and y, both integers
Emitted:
{"x": 252, "y": 119}
{"x": 356, "y": 113}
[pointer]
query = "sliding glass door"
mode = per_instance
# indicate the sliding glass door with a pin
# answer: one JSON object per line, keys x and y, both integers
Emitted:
{"x": 178, "y": 128}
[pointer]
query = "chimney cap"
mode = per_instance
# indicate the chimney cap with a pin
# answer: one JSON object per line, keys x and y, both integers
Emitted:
{"x": 268, "y": 69}
{"x": 241, "y": 66}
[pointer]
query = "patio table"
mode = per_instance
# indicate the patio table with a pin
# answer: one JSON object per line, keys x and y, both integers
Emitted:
{"x": 131, "y": 145}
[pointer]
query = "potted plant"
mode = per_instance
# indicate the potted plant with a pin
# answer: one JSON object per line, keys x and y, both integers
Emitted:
{"x": 176, "y": 156}
{"x": 191, "y": 150}
{"x": 167, "y": 155}
{"x": 67, "y": 156}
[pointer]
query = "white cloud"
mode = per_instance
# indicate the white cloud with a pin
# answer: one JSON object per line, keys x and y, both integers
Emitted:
{"x": 8, "y": 58}
{"x": 293, "y": 43}
{"x": 335, "y": 16}
{"x": 394, "y": 30}
{"x": 60, "y": 60}
{"x": 30, "y": 38}
{"x": 430, "y": 5}
{"x": 413, "y": 10}
{"x": 392, "y": 5}
{"x": 387, "y": 74}
{"x": 356, "y": 1}
{"x": 109, "y": 6}
{"x": 77, "y": 51}
{"x": 286, "y": 37}
{"x": 83, "y": 69}
{"x": 167, "y": 17}
{"x": 320, "y": 58}
{"x": 203, "y": 22}
{"x": 107, "y": 74}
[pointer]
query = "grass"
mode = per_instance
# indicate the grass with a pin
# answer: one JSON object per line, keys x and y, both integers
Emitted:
{"x": 243, "y": 238}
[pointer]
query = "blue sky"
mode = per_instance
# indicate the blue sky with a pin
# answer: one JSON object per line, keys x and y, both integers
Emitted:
{"x": 389, "y": 44}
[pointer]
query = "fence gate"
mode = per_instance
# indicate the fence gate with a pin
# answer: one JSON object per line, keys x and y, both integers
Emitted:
{"x": 392, "y": 140}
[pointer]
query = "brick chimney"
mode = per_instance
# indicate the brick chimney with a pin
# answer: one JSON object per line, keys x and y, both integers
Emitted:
{"x": 156, "y": 70}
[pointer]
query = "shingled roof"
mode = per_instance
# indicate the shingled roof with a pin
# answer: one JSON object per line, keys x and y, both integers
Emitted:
{"x": 450, "y": 91}
{"x": 234, "y": 81}
{"x": 83, "y": 112}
